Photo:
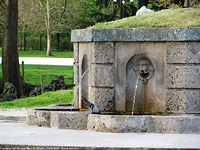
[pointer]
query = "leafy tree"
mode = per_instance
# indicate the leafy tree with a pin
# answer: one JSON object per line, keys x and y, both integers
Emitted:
{"x": 52, "y": 17}
{"x": 167, "y": 3}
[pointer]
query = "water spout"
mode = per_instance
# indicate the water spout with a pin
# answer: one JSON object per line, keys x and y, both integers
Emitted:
{"x": 134, "y": 96}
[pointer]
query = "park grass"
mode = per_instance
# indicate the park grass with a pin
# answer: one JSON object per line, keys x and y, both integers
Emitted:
{"x": 57, "y": 97}
{"x": 167, "y": 18}
{"x": 33, "y": 72}
{"x": 37, "y": 53}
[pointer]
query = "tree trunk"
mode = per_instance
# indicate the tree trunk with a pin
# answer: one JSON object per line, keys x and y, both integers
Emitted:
{"x": 40, "y": 42}
{"x": 25, "y": 41}
{"x": 48, "y": 25}
{"x": 11, "y": 71}
{"x": 58, "y": 42}
{"x": 21, "y": 40}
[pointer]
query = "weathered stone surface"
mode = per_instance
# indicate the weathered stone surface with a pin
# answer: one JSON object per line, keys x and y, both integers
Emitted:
{"x": 57, "y": 84}
{"x": 183, "y": 52}
{"x": 58, "y": 119}
{"x": 193, "y": 52}
{"x": 9, "y": 92}
{"x": 183, "y": 101}
{"x": 76, "y": 52}
{"x": 143, "y": 10}
{"x": 183, "y": 76}
{"x": 69, "y": 120}
{"x": 102, "y": 52}
{"x": 176, "y": 52}
{"x": 190, "y": 125}
{"x": 103, "y": 98}
{"x": 152, "y": 96}
{"x": 183, "y": 124}
{"x": 76, "y": 73}
{"x": 116, "y": 123}
{"x": 176, "y": 101}
{"x": 136, "y": 34}
{"x": 38, "y": 118}
{"x": 102, "y": 75}
{"x": 76, "y": 96}
{"x": 36, "y": 91}
{"x": 82, "y": 34}
{"x": 165, "y": 124}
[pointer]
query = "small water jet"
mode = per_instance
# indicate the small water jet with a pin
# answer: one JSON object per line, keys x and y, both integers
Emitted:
{"x": 134, "y": 96}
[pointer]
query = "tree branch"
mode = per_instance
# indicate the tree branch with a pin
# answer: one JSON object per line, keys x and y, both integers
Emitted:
{"x": 64, "y": 8}
{"x": 2, "y": 4}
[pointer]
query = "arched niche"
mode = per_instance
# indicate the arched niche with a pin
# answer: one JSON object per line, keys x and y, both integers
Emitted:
{"x": 139, "y": 71}
{"x": 84, "y": 80}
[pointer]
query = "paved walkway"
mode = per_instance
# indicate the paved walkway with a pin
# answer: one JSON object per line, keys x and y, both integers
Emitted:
{"x": 18, "y": 133}
{"x": 46, "y": 61}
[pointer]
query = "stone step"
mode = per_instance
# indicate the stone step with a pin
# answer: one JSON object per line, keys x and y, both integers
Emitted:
{"x": 12, "y": 119}
{"x": 13, "y": 115}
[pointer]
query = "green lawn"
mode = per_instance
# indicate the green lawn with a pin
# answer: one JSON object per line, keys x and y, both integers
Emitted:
{"x": 37, "y": 53}
{"x": 167, "y": 18}
{"x": 57, "y": 97}
{"x": 33, "y": 73}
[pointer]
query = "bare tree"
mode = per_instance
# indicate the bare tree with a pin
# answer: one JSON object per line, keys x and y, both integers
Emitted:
{"x": 48, "y": 26}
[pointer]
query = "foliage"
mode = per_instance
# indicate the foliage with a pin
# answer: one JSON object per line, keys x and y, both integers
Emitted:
{"x": 109, "y": 10}
{"x": 33, "y": 41}
{"x": 168, "y": 3}
{"x": 57, "y": 97}
{"x": 167, "y": 18}
{"x": 174, "y": 3}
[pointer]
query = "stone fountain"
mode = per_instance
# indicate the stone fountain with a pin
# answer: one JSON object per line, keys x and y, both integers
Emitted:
{"x": 142, "y": 80}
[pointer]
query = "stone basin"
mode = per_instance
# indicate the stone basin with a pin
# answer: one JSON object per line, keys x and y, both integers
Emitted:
{"x": 69, "y": 117}
{"x": 58, "y": 116}
{"x": 174, "y": 123}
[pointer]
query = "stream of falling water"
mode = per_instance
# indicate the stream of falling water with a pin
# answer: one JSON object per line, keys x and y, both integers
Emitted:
{"x": 80, "y": 82}
{"x": 134, "y": 96}
{"x": 83, "y": 75}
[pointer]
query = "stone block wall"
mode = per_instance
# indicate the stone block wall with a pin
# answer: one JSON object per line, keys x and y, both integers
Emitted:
{"x": 76, "y": 74}
{"x": 183, "y": 77}
{"x": 102, "y": 75}
{"x": 181, "y": 59}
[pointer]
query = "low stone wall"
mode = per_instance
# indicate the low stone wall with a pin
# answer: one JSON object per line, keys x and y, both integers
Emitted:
{"x": 170, "y": 124}
{"x": 58, "y": 119}
{"x": 84, "y": 120}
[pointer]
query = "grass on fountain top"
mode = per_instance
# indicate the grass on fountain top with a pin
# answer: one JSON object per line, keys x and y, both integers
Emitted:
{"x": 182, "y": 17}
